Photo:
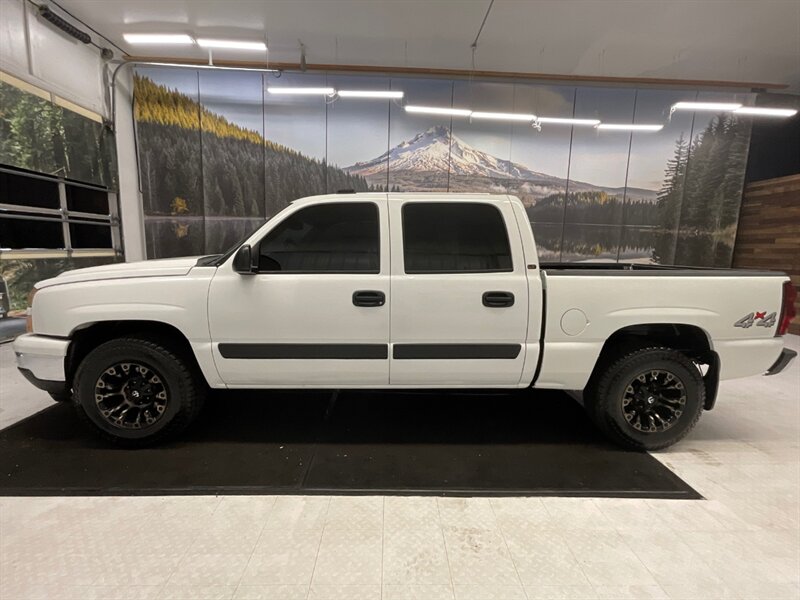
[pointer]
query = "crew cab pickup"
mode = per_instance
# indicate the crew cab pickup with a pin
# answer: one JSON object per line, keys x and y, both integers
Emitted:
{"x": 392, "y": 290}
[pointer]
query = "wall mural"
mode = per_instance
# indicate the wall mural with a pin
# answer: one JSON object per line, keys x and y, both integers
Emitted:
{"x": 218, "y": 154}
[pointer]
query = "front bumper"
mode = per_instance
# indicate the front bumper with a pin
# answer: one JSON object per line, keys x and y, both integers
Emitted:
{"x": 42, "y": 357}
{"x": 783, "y": 361}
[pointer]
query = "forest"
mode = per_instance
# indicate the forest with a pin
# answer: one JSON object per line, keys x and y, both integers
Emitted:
{"x": 699, "y": 201}
{"x": 38, "y": 135}
{"x": 197, "y": 163}
{"x": 693, "y": 220}
{"x": 596, "y": 207}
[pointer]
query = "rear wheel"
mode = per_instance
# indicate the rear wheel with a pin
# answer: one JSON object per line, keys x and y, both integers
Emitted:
{"x": 137, "y": 391}
{"x": 648, "y": 399}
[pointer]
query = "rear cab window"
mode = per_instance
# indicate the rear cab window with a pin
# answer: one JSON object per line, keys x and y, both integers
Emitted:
{"x": 454, "y": 237}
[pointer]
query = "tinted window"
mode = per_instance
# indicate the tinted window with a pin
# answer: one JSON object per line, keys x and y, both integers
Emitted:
{"x": 28, "y": 191}
{"x": 19, "y": 234}
{"x": 453, "y": 237}
{"x": 84, "y": 235}
{"x": 326, "y": 238}
{"x": 87, "y": 200}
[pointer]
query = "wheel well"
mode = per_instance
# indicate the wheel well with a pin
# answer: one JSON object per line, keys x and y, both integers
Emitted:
{"x": 687, "y": 339}
{"x": 86, "y": 339}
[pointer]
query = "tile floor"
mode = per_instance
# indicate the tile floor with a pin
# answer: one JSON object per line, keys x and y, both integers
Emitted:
{"x": 742, "y": 541}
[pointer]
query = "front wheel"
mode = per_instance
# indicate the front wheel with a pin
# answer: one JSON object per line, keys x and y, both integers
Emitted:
{"x": 648, "y": 399}
{"x": 137, "y": 391}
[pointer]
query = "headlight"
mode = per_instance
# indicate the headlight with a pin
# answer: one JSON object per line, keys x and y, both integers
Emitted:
{"x": 29, "y": 312}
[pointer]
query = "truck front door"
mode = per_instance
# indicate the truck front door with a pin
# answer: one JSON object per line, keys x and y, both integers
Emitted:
{"x": 316, "y": 311}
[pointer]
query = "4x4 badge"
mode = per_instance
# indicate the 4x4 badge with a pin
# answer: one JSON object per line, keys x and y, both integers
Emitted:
{"x": 759, "y": 319}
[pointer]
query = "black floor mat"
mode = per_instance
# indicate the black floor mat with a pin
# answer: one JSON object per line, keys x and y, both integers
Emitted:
{"x": 349, "y": 442}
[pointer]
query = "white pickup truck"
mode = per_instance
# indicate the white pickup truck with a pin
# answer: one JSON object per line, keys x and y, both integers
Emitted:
{"x": 400, "y": 291}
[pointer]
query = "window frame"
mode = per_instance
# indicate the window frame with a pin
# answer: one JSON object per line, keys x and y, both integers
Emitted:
{"x": 257, "y": 245}
{"x": 510, "y": 269}
{"x": 65, "y": 218}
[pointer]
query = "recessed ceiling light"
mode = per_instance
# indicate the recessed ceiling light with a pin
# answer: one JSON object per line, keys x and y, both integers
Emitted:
{"x": 565, "y": 121}
{"x": 497, "y": 116}
{"x": 762, "y": 111}
{"x": 158, "y": 38}
{"x": 303, "y": 91}
{"x": 233, "y": 44}
{"x": 370, "y": 94}
{"x": 435, "y": 110}
{"x": 629, "y": 127}
{"x": 714, "y": 106}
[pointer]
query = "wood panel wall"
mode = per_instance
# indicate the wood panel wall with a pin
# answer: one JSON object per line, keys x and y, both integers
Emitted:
{"x": 769, "y": 230}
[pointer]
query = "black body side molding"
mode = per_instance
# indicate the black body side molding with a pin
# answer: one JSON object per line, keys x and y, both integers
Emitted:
{"x": 305, "y": 351}
{"x": 456, "y": 351}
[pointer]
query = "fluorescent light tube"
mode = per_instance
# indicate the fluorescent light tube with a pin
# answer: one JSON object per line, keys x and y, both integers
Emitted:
{"x": 715, "y": 106}
{"x": 370, "y": 94}
{"x": 629, "y": 127}
{"x": 435, "y": 110}
{"x": 233, "y": 44}
{"x": 157, "y": 38}
{"x": 761, "y": 111}
{"x": 565, "y": 121}
{"x": 304, "y": 91}
{"x": 495, "y": 116}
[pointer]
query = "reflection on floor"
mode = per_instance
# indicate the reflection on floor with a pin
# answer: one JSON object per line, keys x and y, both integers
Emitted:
{"x": 10, "y": 327}
{"x": 743, "y": 541}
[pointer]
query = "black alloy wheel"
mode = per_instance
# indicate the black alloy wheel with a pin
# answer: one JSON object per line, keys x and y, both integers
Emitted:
{"x": 131, "y": 395}
{"x": 136, "y": 391}
{"x": 646, "y": 398}
{"x": 653, "y": 401}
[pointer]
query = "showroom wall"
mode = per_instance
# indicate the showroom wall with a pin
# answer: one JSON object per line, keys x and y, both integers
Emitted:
{"x": 769, "y": 230}
{"x": 218, "y": 153}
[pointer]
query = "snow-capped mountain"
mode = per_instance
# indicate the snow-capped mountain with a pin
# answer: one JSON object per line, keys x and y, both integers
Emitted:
{"x": 421, "y": 162}
{"x": 436, "y": 150}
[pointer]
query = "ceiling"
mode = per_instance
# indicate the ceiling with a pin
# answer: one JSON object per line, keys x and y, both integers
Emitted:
{"x": 736, "y": 40}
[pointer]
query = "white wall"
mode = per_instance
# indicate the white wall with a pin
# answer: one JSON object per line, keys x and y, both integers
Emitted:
{"x": 34, "y": 51}
{"x": 37, "y": 52}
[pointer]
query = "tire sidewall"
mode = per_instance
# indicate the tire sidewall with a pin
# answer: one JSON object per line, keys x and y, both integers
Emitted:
{"x": 111, "y": 353}
{"x": 692, "y": 381}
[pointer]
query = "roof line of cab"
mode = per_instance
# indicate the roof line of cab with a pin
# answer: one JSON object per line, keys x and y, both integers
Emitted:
{"x": 345, "y": 194}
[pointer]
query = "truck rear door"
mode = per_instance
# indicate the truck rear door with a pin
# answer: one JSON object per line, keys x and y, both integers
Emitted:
{"x": 460, "y": 299}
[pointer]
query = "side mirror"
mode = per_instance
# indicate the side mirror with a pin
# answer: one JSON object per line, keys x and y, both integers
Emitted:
{"x": 243, "y": 261}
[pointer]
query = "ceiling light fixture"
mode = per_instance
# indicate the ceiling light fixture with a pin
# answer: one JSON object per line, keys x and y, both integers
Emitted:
{"x": 370, "y": 94}
{"x": 232, "y": 44}
{"x": 565, "y": 121}
{"x": 713, "y": 106}
{"x": 761, "y": 111}
{"x": 302, "y": 91}
{"x": 158, "y": 38}
{"x": 435, "y": 110}
{"x": 496, "y": 116}
{"x": 629, "y": 127}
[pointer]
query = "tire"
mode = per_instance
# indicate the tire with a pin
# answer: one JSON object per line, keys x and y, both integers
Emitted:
{"x": 625, "y": 408}
{"x": 161, "y": 388}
